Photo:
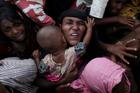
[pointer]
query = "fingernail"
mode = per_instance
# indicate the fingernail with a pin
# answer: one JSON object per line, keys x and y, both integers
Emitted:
{"x": 135, "y": 57}
{"x": 134, "y": 39}
{"x": 135, "y": 49}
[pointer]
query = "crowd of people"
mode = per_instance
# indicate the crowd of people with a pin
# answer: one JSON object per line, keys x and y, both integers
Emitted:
{"x": 65, "y": 46}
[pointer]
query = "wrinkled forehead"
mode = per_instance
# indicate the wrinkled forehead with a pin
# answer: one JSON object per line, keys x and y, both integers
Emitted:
{"x": 73, "y": 19}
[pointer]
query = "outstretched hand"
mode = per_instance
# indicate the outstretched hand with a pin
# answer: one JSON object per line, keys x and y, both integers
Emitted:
{"x": 126, "y": 21}
{"x": 120, "y": 50}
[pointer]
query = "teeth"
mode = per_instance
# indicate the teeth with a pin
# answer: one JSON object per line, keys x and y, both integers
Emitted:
{"x": 74, "y": 34}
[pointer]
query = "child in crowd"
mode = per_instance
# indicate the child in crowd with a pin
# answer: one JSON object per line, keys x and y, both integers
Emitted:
{"x": 59, "y": 60}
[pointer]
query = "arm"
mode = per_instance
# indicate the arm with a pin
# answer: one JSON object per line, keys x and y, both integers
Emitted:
{"x": 116, "y": 19}
{"x": 68, "y": 77}
{"x": 106, "y": 20}
{"x": 36, "y": 56}
{"x": 90, "y": 23}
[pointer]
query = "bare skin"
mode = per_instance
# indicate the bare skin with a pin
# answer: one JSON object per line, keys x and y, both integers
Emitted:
{"x": 2, "y": 89}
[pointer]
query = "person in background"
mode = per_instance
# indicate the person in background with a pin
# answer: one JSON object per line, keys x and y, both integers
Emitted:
{"x": 17, "y": 69}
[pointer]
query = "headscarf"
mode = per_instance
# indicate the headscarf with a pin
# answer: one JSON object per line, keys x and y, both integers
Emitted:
{"x": 73, "y": 13}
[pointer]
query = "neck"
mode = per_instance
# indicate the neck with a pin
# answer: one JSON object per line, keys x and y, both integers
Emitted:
{"x": 20, "y": 46}
{"x": 59, "y": 56}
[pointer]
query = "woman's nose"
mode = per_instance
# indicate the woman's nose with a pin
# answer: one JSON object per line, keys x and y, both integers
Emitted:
{"x": 75, "y": 27}
{"x": 15, "y": 31}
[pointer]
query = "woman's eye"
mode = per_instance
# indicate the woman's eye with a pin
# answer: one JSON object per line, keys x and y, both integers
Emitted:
{"x": 17, "y": 24}
{"x": 8, "y": 29}
{"x": 68, "y": 22}
{"x": 81, "y": 23}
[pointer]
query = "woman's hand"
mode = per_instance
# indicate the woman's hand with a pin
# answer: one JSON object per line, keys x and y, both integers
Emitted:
{"x": 120, "y": 50}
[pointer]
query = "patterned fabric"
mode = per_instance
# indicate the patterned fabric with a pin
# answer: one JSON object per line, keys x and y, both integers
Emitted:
{"x": 80, "y": 49}
{"x": 34, "y": 10}
{"x": 18, "y": 74}
{"x": 42, "y": 67}
{"x": 131, "y": 9}
{"x": 55, "y": 71}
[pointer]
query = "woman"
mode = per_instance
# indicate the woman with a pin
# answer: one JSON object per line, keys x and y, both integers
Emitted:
{"x": 73, "y": 26}
{"x": 18, "y": 70}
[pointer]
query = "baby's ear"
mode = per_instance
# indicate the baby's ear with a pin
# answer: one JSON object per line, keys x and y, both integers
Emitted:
{"x": 64, "y": 39}
{"x": 60, "y": 25}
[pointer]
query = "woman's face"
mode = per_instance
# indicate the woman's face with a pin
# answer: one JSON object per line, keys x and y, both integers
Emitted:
{"x": 14, "y": 31}
{"x": 73, "y": 29}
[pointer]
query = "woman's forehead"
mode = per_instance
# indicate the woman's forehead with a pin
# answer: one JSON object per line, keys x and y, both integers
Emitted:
{"x": 73, "y": 19}
{"x": 5, "y": 22}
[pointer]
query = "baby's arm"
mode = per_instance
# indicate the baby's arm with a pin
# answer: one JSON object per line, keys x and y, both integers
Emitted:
{"x": 36, "y": 56}
{"x": 90, "y": 23}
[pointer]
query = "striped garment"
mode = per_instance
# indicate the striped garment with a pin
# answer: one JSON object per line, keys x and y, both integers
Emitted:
{"x": 18, "y": 74}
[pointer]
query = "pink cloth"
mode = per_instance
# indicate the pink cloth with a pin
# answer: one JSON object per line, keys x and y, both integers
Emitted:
{"x": 100, "y": 76}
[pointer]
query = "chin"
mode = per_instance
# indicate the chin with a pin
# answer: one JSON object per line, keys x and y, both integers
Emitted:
{"x": 73, "y": 43}
{"x": 20, "y": 39}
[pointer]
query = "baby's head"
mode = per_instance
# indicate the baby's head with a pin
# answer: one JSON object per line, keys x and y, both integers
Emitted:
{"x": 51, "y": 38}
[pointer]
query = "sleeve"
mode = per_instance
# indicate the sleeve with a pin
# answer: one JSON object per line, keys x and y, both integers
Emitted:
{"x": 42, "y": 67}
{"x": 34, "y": 10}
{"x": 80, "y": 49}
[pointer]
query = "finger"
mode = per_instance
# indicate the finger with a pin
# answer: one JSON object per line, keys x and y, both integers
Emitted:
{"x": 130, "y": 41}
{"x": 113, "y": 58}
{"x": 131, "y": 20}
{"x": 130, "y": 24}
{"x": 131, "y": 49}
{"x": 129, "y": 55}
{"x": 124, "y": 60}
{"x": 92, "y": 20}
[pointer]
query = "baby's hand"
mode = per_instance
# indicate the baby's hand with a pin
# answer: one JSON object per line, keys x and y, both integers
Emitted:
{"x": 90, "y": 23}
{"x": 36, "y": 54}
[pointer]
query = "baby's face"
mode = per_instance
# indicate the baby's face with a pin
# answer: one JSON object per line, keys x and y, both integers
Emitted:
{"x": 61, "y": 41}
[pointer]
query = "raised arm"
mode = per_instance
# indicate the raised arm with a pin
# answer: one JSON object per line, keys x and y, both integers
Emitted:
{"x": 90, "y": 23}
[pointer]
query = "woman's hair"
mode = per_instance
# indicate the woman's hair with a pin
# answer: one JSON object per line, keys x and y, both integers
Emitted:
{"x": 14, "y": 14}
{"x": 9, "y": 12}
